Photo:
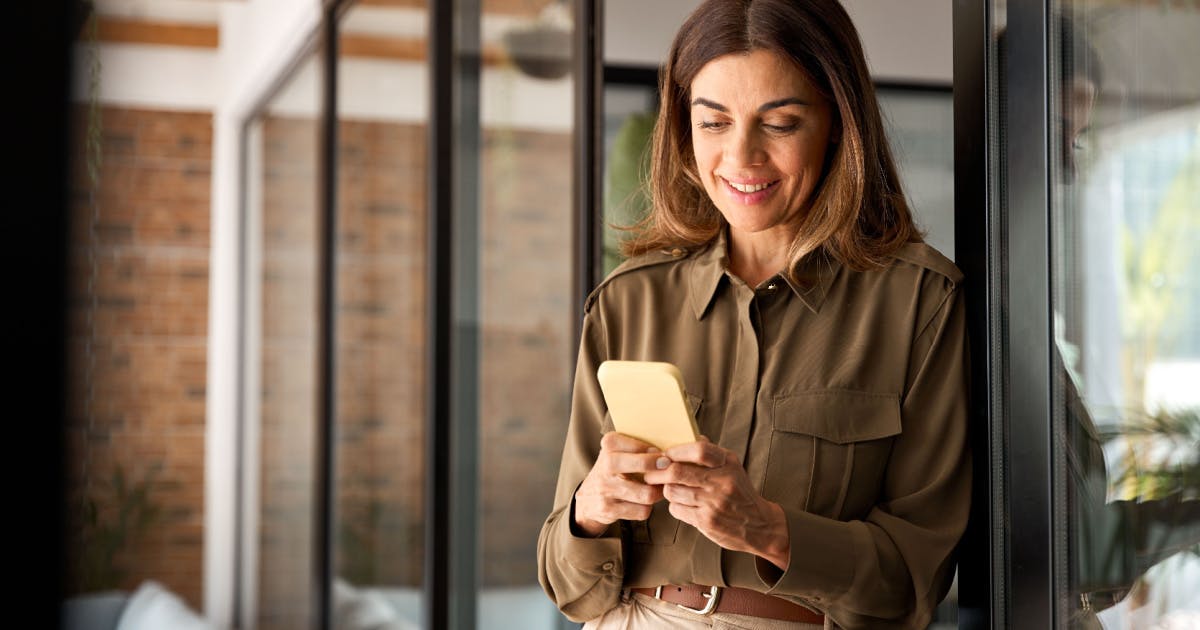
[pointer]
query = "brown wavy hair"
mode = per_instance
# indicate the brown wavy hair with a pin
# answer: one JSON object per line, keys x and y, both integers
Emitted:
{"x": 859, "y": 214}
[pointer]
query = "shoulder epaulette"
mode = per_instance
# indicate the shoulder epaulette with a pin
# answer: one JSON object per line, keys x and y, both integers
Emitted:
{"x": 641, "y": 261}
{"x": 925, "y": 256}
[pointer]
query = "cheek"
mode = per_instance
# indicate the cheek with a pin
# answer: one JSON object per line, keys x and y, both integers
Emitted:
{"x": 804, "y": 162}
{"x": 705, "y": 156}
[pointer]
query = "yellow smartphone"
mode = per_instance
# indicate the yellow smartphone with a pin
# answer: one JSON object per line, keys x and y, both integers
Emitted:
{"x": 646, "y": 401}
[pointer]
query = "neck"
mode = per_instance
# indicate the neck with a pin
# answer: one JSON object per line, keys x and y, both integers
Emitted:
{"x": 757, "y": 256}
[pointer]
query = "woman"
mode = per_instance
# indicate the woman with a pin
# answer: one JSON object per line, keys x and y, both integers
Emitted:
{"x": 822, "y": 347}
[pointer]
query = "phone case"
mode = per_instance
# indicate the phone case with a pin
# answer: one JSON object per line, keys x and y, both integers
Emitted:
{"x": 646, "y": 401}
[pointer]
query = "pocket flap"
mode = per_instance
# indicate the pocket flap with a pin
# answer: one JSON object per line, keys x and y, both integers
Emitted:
{"x": 840, "y": 416}
{"x": 694, "y": 403}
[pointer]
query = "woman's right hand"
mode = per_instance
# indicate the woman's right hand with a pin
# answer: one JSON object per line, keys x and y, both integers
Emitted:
{"x": 613, "y": 488}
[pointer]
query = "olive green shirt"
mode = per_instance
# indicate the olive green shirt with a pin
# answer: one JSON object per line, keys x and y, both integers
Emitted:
{"x": 845, "y": 395}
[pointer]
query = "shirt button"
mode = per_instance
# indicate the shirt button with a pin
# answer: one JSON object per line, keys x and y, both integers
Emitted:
{"x": 608, "y": 566}
{"x": 677, "y": 252}
{"x": 771, "y": 287}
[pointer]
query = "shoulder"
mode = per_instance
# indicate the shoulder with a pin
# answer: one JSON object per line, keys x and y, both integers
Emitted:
{"x": 925, "y": 257}
{"x": 641, "y": 267}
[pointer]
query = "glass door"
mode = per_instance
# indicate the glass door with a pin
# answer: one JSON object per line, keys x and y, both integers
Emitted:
{"x": 1125, "y": 311}
{"x": 1079, "y": 137}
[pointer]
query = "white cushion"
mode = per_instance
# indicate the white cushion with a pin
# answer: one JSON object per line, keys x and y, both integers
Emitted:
{"x": 153, "y": 607}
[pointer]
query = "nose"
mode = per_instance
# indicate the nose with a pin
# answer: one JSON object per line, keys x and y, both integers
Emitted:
{"x": 745, "y": 148}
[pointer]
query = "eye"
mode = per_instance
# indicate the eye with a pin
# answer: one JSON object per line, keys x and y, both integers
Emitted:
{"x": 711, "y": 125}
{"x": 781, "y": 128}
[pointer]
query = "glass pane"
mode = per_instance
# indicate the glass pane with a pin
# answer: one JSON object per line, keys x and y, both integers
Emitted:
{"x": 136, "y": 349}
{"x": 283, "y": 223}
{"x": 379, "y": 526}
{"x": 1126, "y": 298}
{"x": 523, "y": 311}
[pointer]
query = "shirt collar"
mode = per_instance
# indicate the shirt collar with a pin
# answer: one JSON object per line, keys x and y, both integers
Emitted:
{"x": 815, "y": 274}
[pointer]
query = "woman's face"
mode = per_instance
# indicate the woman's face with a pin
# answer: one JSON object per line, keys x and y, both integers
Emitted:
{"x": 759, "y": 133}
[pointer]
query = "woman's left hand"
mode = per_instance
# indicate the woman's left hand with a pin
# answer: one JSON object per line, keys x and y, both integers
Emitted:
{"x": 708, "y": 489}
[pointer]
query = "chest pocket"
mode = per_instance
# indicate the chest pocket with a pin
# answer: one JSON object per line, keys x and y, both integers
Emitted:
{"x": 829, "y": 450}
{"x": 661, "y": 528}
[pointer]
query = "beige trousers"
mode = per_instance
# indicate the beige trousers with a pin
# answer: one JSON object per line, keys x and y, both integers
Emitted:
{"x": 642, "y": 612}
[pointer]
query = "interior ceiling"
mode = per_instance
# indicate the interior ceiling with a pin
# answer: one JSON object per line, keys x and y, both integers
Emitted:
{"x": 1142, "y": 43}
{"x": 206, "y": 11}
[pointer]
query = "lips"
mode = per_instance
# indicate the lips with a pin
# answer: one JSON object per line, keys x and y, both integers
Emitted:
{"x": 750, "y": 190}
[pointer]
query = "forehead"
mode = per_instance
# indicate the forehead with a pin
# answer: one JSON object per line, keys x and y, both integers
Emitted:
{"x": 757, "y": 74}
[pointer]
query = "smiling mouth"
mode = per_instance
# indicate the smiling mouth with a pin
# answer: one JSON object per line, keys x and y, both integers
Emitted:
{"x": 750, "y": 188}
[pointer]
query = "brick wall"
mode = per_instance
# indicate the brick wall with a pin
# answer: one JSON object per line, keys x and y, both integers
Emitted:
{"x": 137, "y": 341}
{"x": 381, "y": 352}
{"x": 524, "y": 353}
{"x": 137, "y": 351}
{"x": 527, "y": 354}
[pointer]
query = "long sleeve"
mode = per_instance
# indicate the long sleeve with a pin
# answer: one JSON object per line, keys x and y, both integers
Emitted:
{"x": 891, "y": 568}
{"x": 582, "y": 575}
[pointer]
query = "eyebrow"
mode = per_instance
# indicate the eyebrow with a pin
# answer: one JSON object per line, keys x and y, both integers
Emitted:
{"x": 761, "y": 108}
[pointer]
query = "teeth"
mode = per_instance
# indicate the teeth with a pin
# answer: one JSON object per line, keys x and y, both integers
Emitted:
{"x": 748, "y": 188}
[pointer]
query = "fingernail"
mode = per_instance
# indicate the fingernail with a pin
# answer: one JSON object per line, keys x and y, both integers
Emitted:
{"x": 662, "y": 462}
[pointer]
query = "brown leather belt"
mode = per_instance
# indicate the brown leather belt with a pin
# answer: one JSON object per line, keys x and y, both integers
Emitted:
{"x": 705, "y": 600}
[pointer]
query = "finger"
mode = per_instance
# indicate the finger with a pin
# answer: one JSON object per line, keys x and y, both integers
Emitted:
{"x": 684, "y": 513}
{"x": 702, "y": 453}
{"x": 619, "y": 442}
{"x": 616, "y": 510}
{"x": 629, "y": 510}
{"x": 684, "y": 474}
{"x": 629, "y": 491}
{"x": 623, "y": 462}
{"x": 683, "y": 495}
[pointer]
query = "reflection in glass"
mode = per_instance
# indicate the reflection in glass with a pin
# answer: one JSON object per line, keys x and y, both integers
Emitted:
{"x": 283, "y": 220}
{"x": 1126, "y": 225}
{"x": 525, "y": 352}
{"x": 381, "y": 260}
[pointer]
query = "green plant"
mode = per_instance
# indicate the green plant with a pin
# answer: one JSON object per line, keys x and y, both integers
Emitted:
{"x": 626, "y": 198}
{"x": 111, "y": 523}
{"x": 1162, "y": 457}
{"x": 358, "y": 556}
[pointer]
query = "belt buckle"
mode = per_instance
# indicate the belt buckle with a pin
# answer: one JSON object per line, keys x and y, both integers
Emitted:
{"x": 713, "y": 595}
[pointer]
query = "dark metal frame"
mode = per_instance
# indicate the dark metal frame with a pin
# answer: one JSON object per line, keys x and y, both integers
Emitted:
{"x": 977, "y": 248}
{"x": 326, "y": 439}
{"x": 589, "y": 71}
{"x": 1012, "y": 550}
{"x": 463, "y": 277}
{"x": 1029, "y": 346}
{"x": 622, "y": 74}
{"x": 439, "y": 310}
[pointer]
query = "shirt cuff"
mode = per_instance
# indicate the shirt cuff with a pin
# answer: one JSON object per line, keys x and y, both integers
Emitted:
{"x": 600, "y": 555}
{"x": 821, "y": 558}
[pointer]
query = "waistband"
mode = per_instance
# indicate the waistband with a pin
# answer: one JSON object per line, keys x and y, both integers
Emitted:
{"x": 706, "y": 600}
